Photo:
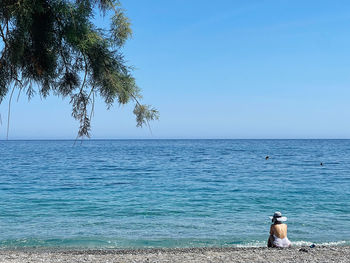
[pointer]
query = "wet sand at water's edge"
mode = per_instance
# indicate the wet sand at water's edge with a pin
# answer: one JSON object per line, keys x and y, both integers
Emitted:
{"x": 324, "y": 254}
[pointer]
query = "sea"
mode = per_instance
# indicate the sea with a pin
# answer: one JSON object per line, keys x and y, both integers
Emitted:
{"x": 117, "y": 194}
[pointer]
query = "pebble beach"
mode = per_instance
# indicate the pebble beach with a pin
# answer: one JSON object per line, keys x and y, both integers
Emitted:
{"x": 324, "y": 254}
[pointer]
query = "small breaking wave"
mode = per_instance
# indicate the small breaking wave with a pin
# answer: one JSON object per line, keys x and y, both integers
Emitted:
{"x": 90, "y": 243}
{"x": 300, "y": 243}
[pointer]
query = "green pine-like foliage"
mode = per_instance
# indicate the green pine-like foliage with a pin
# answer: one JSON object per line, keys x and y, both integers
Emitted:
{"x": 51, "y": 47}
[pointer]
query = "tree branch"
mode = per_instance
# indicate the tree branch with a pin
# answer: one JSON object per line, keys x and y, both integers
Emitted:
{"x": 9, "y": 112}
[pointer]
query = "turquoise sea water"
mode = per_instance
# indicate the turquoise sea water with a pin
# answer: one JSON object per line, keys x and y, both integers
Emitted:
{"x": 172, "y": 193}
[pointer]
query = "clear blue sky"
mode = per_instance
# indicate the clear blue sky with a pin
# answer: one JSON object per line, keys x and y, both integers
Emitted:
{"x": 221, "y": 69}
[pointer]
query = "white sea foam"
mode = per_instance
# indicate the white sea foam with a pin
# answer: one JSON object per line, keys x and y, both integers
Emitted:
{"x": 299, "y": 243}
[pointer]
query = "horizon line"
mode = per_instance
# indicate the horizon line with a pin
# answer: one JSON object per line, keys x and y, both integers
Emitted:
{"x": 160, "y": 139}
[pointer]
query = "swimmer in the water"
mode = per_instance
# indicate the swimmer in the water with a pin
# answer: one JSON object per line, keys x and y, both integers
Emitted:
{"x": 267, "y": 157}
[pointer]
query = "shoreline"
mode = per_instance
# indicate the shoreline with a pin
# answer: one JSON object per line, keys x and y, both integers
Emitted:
{"x": 325, "y": 254}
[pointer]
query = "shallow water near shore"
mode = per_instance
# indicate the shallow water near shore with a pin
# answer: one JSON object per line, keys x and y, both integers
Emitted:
{"x": 172, "y": 193}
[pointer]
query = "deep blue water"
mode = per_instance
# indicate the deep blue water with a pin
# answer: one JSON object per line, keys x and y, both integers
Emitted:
{"x": 172, "y": 193}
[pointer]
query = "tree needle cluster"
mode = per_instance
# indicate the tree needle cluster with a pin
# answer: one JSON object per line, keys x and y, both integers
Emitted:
{"x": 53, "y": 47}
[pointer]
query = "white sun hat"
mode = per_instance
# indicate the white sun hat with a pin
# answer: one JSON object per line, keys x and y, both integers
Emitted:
{"x": 278, "y": 217}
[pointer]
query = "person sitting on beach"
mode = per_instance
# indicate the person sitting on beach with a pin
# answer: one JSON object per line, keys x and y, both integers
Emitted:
{"x": 278, "y": 232}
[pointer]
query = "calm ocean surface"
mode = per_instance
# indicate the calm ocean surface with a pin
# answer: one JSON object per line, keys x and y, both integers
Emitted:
{"x": 172, "y": 193}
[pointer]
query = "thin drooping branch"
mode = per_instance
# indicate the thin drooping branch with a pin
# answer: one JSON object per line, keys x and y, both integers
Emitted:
{"x": 9, "y": 113}
{"x": 4, "y": 39}
{"x": 92, "y": 104}
{"x": 20, "y": 84}
{"x": 85, "y": 75}
{"x": 3, "y": 35}
{"x": 19, "y": 93}
{"x": 83, "y": 118}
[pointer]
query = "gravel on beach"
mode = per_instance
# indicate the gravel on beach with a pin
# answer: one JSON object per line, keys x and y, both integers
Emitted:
{"x": 252, "y": 255}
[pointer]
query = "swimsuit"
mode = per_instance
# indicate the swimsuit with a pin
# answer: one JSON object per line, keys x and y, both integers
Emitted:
{"x": 281, "y": 242}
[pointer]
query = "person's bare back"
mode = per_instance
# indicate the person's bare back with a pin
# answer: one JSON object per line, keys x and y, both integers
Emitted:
{"x": 279, "y": 230}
